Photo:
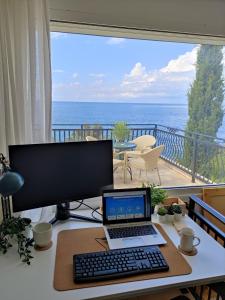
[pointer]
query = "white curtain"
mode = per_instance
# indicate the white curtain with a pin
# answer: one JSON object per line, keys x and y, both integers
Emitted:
{"x": 25, "y": 73}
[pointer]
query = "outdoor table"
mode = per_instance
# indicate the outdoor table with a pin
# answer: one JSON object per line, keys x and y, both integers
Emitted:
{"x": 123, "y": 146}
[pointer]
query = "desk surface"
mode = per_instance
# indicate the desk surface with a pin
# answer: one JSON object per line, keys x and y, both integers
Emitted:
{"x": 21, "y": 282}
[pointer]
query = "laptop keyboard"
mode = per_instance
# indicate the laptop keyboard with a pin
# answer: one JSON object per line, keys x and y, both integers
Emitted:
{"x": 123, "y": 232}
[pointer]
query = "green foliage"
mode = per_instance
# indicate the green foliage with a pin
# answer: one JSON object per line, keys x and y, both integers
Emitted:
{"x": 80, "y": 134}
{"x": 14, "y": 228}
{"x": 205, "y": 111}
{"x": 217, "y": 167}
{"x": 177, "y": 209}
{"x": 121, "y": 131}
{"x": 158, "y": 195}
{"x": 93, "y": 130}
{"x": 170, "y": 210}
{"x": 162, "y": 211}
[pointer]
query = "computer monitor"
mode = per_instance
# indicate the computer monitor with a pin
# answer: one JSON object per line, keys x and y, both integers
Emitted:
{"x": 58, "y": 173}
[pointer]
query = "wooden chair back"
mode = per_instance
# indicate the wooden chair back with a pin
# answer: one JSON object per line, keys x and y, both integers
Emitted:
{"x": 215, "y": 197}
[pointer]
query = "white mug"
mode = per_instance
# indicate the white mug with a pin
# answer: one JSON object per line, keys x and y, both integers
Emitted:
{"x": 187, "y": 239}
{"x": 42, "y": 234}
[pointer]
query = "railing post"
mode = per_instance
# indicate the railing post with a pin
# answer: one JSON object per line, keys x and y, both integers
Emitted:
{"x": 82, "y": 132}
{"x": 194, "y": 158}
{"x": 155, "y": 132}
{"x": 191, "y": 207}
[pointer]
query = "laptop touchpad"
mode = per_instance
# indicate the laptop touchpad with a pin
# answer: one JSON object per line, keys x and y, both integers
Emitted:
{"x": 133, "y": 242}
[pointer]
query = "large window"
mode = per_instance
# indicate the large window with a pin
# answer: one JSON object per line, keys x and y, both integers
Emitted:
{"x": 172, "y": 91}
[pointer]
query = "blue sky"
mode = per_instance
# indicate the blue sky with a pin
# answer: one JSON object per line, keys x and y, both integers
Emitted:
{"x": 103, "y": 69}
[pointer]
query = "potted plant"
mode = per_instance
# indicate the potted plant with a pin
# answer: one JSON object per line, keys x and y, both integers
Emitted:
{"x": 162, "y": 211}
{"x": 14, "y": 230}
{"x": 177, "y": 212}
{"x": 175, "y": 201}
{"x": 158, "y": 196}
{"x": 170, "y": 214}
{"x": 120, "y": 131}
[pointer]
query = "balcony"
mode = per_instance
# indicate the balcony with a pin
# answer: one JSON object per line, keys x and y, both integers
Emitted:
{"x": 188, "y": 158}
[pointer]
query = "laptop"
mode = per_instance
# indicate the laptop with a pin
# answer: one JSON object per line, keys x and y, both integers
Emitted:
{"x": 127, "y": 218}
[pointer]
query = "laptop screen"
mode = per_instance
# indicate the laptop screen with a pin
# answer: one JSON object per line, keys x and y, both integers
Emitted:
{"x": 122, "y": 206}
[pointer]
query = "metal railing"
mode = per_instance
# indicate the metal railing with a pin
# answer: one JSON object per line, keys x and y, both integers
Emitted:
{"x": 201, "y": 156}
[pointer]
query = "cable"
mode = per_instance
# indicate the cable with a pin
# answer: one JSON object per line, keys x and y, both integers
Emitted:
{"x": 102, "y": 239}
{"x": 94, "y": 210}
{"x": 80, "y": 204}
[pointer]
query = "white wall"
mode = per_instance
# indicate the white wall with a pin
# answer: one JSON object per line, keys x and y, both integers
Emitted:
{"x": 203, "y": 17}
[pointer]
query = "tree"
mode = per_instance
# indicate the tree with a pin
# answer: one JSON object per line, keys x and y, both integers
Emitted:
{"x": 205, "y": 99}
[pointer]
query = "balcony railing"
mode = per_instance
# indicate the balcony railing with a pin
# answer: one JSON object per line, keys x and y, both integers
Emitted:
{"x": 201, "y": 156}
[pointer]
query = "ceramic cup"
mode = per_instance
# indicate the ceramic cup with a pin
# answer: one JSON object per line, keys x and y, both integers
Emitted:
{"x": 187, "y": 238}
{"x": 42, "y": 234}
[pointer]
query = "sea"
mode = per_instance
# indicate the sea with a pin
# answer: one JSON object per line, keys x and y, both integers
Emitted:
{"x": 171, "y": 115}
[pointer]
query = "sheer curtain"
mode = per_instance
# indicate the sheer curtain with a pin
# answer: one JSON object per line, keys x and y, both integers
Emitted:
{"x": 25, "y": 73}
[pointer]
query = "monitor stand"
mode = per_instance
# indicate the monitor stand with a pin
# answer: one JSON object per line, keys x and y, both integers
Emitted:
{"x": 63, "y": 213}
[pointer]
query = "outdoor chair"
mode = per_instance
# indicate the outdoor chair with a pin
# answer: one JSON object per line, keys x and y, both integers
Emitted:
{"x": 144, "y": 141}
{"x": 147, "y": 160}
{"x": 90, "y": 138}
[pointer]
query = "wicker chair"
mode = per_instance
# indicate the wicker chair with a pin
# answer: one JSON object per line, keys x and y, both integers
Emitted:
{"x": 144, "y": 141}
{"x": 147, "y": 160}
{"x": 90, "y": 138}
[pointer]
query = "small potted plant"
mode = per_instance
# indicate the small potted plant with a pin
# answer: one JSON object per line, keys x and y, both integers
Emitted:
{"x": 14, "y": 230}
{"x": 170, "y": 214}
{"x": 177, "y": 212}
{"x": 120, "y": 131}
{"x": 158, "y": 197}
{"x": 162, "y": 211}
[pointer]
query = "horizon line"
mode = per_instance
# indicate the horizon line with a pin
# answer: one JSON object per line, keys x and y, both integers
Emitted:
{"x": 119, "y": 102}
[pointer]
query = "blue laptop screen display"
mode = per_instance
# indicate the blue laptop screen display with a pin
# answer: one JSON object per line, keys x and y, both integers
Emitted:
{"x": 125, "y": 207}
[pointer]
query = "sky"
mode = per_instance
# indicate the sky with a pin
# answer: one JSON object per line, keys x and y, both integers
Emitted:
{"x": 102, "y": 69}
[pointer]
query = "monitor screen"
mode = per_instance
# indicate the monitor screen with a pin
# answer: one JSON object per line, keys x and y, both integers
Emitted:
{"x": 60, "y": 172}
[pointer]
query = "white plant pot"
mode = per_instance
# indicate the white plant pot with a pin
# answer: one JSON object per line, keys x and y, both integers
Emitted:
{"x": 157, "y": 207}
{"x": 177, "y": 217}
{"x": 170, "y": 218}
{"x": 162, "y": 219}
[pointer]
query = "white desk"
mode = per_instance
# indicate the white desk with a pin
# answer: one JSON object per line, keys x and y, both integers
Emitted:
{"x": 35, "y": 282}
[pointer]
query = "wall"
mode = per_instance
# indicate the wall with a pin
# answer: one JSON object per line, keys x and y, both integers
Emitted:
{"x": 201, "y": 17}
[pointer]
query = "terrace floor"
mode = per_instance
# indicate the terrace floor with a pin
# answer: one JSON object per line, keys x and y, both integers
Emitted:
{"x": 170, "y": 176}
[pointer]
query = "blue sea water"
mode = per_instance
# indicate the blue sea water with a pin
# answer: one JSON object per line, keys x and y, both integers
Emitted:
{"x": 172, "y": 115}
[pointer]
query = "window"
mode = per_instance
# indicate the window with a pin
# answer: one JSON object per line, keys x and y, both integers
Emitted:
{"x": 172, "y": 91}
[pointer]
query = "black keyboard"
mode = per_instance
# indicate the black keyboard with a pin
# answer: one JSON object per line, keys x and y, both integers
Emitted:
{"x": 118, "y": 263}
{"x": 123, "y": 232}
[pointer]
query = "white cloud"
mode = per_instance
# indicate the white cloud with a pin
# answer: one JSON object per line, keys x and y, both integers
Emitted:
{"x": 172, "y": 80}
{"x": 97, "y": 75}
{"x": 58, "y": 71}
{"x": 139, "y": 83}
{"x": 115, "y": 41}
{"x": 57, "y": 35}
{"x": 138, "y": 70}
{"x": 75, "y": 75}
{"x": 138, "y": 77}
{"x": 183, "y": 63}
